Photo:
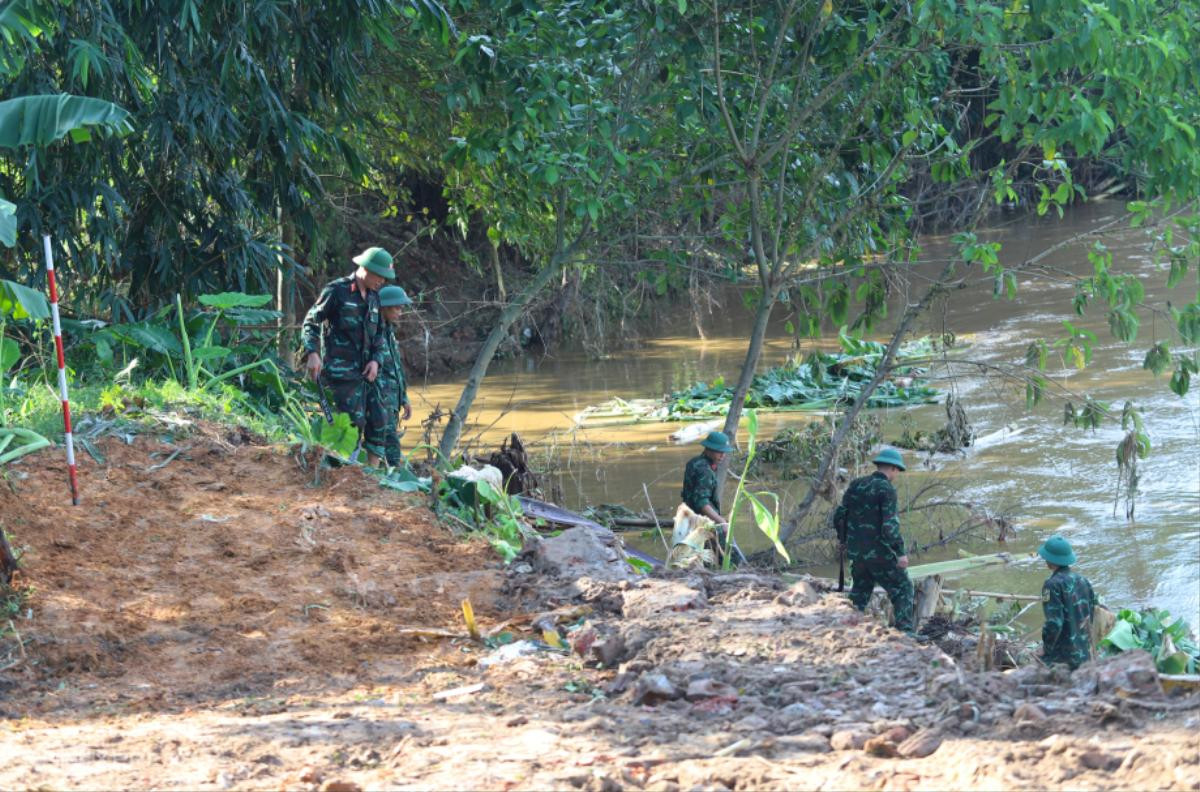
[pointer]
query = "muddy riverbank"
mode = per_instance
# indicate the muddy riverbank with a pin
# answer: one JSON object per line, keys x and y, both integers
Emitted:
{"x": 221, "y": 622}
{"x": 1044, "y": 476}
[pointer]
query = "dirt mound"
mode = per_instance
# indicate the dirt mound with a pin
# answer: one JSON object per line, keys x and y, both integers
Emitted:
{"x": 197, "y": 568}
{"x": 209, "y": 620}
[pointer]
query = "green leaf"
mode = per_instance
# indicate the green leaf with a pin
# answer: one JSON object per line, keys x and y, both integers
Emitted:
{"x": 8, "y": 223}
{"x": 1122, "y": 637}
{"x": 253, "y": 316}
{"x": 22, "y": 302}
{"x": 1181, "y": 380}
{"x": 209, "y": 352}
{"x": 226, "y": 300}
{"x": 341, "y": 436}
{"x": 10, "y": 353}
{"x": 153, "y": 337}
{"x": 45, "y": 119}
{"x": 1179, "y": 267}
{"x": 1034, "y": 389}
{"x": 1176, "y": 663}
{"x": 643, "y": 567}
{"x": 1158, "y": 358}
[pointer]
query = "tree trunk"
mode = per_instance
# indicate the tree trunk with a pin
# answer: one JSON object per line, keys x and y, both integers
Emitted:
{"x": 507, "y": 316}
{"x": 754, "y": 349}
{"x": 494, "y": 256}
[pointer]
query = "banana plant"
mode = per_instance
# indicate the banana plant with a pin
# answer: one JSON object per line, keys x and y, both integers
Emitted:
{"x": 45, "y": 119}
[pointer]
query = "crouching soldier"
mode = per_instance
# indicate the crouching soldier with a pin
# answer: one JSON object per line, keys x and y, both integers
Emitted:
{"x": 1068, "y": 604}
{"x": 700, "y": 490}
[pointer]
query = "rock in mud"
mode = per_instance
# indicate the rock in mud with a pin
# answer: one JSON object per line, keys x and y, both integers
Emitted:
{"x": 799, "y": 594}
{"x": 920, "y": 745}
{"x": 751, "y": 723}
{"x": 1095, "y": 759}
{"x": 662, "y": 596}
{"x": 809, "y": 742}
{"x": 583, "y": 553}
{"x": 880, "y": 746}
{"x": 583, "y": 641}
{"x": 896, "y": 734}
{"x": 310, "y": 775}
{"x": 698, "y": 689}
{"x": 340, "y": 786}
{"x": 654, "y": 688}
{"x": 1131, "y": 673}
{"x": 849, "y": 740}
{"x": 1029, "y": 713}
{"x": 610, "y": 651}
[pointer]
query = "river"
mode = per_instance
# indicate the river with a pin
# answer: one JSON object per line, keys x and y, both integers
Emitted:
{"x": 1047, "y": 477}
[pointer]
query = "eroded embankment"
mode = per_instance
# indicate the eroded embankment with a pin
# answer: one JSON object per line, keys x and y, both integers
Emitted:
{"x": 185, "y": 579}
{"x": 218, "y": 623}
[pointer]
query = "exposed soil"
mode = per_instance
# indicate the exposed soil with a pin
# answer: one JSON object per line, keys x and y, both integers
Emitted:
{"x": 217, "y": 622}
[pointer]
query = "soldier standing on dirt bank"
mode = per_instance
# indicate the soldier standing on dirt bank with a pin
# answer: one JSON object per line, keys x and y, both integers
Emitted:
{"x": 1068, "y": 604}
{"x": 391, "y": 390}
{"x": 868, "y": 526}
{"x": 345, "y": 322}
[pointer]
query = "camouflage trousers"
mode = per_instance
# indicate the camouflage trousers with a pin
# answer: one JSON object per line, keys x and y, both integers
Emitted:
{"x": 357, "y": 399}
{"x": 384, "y": 406}
{"x": 891, "y": 579}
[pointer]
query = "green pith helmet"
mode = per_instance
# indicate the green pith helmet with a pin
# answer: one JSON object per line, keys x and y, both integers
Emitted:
{"x": 717, "y": 441}
{"x": 393, "y": 295}
{"x": 1057, "y": 551}
{"x": 890, "y": 456}
{"x": 377, "y": 260}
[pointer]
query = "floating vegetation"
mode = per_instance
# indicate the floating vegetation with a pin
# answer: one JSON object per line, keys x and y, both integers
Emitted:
{"x": 820, "y": 381}
{"x": 955, "y": 436}
{"x": 796, "y": 453}
{"x": 1171, "y": 642}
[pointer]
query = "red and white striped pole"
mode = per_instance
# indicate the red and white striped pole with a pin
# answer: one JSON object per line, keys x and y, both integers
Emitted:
{"x": 62, "y": 370}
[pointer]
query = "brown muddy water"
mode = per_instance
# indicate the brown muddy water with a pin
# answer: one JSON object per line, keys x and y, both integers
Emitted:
{"x": 1047, "y": 477}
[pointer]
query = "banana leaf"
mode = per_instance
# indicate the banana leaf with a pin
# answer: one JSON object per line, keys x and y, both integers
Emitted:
{"x": 44, "y": 119}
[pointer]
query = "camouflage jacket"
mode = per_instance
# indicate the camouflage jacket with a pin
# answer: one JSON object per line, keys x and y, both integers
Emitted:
{"x": 349, "y": 328}
{"x": 391, "y": 374}
{"x": 1067, "y": 602}
{"x": 700, "y": 485}
{"x": 868, "y": 512}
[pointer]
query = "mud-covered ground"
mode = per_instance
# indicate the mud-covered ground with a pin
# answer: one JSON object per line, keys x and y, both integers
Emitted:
{"x": 220, "y": 622}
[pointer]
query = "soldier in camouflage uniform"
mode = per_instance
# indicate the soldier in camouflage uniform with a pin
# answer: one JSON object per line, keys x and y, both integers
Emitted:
{"x": 700, "y": 490}
{"x": 345, "y": 326}
{"x": 391, "y": 389}
{"x": 700, "y": 478}
{"x": 1068, "y": 603}
{"x": 869, "y": 528}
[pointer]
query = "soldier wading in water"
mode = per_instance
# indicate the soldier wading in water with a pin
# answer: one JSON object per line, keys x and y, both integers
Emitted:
{"x": 869, "y": 528}
{"x": 1068, "y": 604}
{"x": 346, "y": 326}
